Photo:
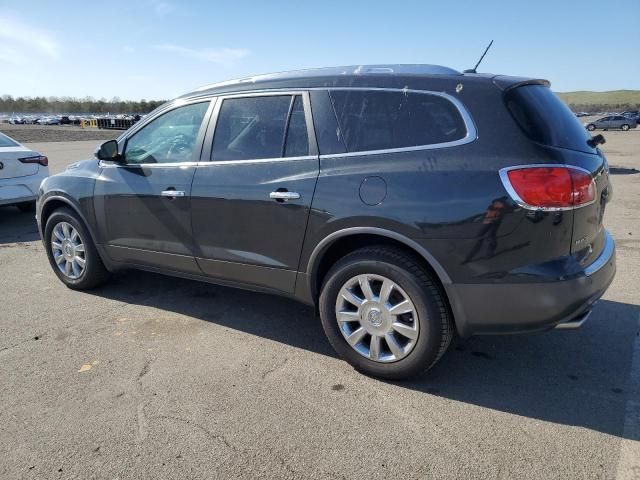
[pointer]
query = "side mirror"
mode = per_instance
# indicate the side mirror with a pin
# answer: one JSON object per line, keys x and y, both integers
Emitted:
{"x": 109, "y": 151}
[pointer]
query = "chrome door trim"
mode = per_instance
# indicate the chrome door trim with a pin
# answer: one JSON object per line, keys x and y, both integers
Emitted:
{"x": 284, "y": 195}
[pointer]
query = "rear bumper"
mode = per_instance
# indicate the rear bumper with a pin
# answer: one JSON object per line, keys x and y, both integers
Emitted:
{"x": 21, "y": 189}
{"x": 526, "y": 307}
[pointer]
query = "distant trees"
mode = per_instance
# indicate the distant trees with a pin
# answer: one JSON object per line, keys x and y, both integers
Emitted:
{"x": 9, "y": 104}
{"x": 602, "y": 107}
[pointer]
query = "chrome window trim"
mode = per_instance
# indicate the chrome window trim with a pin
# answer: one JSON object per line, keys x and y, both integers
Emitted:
{"x": 256, "y": 160}
{"x": 604, "y": 257}
{"x": 219, "y": 100}
{"x": 470, "y": 127}
{"x": 161, "y": 110}
{"x": 514, "y": 195}
{"x": 106, "y": 164}
{"x": 471, "y": 136}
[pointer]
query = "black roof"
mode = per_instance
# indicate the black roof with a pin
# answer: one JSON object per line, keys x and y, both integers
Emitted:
{"x": 377, "y": 76}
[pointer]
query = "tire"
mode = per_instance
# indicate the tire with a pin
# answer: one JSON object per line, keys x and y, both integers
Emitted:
{"x": 27, "y": 207}
{"x": 624, "y": 127}
{"x": 591, "y": 127}
{"x": 94, "y": 272}
{"x": 434, "y": 322}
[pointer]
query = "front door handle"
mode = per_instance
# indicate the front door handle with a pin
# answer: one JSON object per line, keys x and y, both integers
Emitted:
{"x": 172, "y": 193}
{"x": 284, "y": 196}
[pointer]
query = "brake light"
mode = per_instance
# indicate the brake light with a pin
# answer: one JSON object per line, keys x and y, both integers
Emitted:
{"x": 549, "y": 187}
{"x": 39, "y": 159}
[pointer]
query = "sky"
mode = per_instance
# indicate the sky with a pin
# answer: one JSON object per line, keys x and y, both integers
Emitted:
{"x": 159, "y": 49}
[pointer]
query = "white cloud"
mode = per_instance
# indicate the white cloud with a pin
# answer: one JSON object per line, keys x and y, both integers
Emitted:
{"x": 128, "y": 49}
{"x": 220, "y": 56}
{"x": 21, "y": 41}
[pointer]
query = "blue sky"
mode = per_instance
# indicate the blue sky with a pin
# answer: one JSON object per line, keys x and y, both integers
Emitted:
{"x": 158, "y": 49}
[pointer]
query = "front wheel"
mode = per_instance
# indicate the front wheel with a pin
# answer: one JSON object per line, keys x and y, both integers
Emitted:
{"x": 385, "y": 314}
{"x": 625, "y": 127}
{"x": 591, "y": 127}
{"x": 71, "y": 251}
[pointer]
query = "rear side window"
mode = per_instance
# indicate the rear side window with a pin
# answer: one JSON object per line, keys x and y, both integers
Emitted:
{"x": 545, "y": 119}
{"x": 380, "y": 120}
{"x": 6, "y": 141}
{"x": 260, "y": 128}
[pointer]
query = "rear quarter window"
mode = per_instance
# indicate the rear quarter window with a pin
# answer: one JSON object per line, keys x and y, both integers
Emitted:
{"x": 545, "y": 119}
{"x": 381, "y": 120}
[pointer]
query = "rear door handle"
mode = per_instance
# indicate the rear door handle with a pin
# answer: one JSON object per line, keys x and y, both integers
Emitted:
{"x": 172, "y": 193}
{"x": 284, "y": 196}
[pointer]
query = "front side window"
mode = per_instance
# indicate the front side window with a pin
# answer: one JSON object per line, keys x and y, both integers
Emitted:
{"x": 260, "y": 127}
{"x": 380, "y": 120}
{"x": 169, "y": 138}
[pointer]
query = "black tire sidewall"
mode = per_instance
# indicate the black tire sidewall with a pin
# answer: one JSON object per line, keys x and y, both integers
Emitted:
{"x": 427, "y": 347}
{"x": 93, "y": 270}
{"x": 624, "y": 128}
{"x": 591, "y": 128}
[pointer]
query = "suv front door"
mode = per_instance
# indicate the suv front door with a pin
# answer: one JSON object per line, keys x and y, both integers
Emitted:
{"x": 143, "y": 204}
{"x": 251, "y": 202}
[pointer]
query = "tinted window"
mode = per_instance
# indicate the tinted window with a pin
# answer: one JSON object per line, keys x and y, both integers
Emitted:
{"x": 546, "y": 119}
{"x": 6, "y": 141}
{"x": 297, "y": 143}
{"x": 169, "y": 138}
{"x": 252, "y": 127}
{"x": 377, "y": 120}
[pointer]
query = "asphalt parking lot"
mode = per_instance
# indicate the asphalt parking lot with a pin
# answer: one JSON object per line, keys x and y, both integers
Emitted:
{"x": 157, "y": 377}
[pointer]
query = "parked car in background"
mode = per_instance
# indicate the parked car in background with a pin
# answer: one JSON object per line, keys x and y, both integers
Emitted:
{"x": 16, "y": 120}
{"x": 366, "y": 191}
{"x": 21, "y": 172}
{"x": 582, "y": 114}
{"x": 612, "y": 122}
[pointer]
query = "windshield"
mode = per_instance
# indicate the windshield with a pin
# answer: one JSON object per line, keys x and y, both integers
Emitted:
{"x": 546, "y": 119}
{"x": 6, "y": 141}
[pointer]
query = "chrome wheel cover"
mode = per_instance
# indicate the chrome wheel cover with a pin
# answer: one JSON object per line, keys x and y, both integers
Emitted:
{"x": 68, "y": 250}
{"x": 377, "y": 318}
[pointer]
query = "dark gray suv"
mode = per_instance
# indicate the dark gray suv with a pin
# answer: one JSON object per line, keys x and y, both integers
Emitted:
{"x": 408, "y": 203}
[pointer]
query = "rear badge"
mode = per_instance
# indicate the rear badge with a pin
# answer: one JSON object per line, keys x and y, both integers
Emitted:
{"x": 581, "y": 240}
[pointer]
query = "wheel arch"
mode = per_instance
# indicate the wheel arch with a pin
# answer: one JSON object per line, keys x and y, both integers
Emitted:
{"x": 53, "y": 202}
{"x": 341, "y": 242}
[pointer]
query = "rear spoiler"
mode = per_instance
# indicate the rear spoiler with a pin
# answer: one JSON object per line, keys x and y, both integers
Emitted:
{"x": 505, "y": 82}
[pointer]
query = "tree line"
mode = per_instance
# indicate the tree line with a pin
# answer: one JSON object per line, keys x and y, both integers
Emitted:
{"x": 9, "y": 104}
{"x": 602, "y": 107}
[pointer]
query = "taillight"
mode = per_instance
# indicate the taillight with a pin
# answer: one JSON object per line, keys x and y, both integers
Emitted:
{"x": 39, "y": 159}
{"x": 549, "y": 187}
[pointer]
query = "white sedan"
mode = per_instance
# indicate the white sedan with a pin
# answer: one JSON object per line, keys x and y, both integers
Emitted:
{"x": 21, "y": 171}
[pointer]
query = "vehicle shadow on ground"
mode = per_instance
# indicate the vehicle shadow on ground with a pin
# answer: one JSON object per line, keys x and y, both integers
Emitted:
{"x": 17, "y": 226}
{"x": 577, "y": 378}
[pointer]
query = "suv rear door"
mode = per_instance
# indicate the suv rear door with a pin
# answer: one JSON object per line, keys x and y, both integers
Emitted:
{"x": 250, "y": 203}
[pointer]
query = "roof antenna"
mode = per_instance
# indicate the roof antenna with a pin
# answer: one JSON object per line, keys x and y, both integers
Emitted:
{"x": 474, "y": 69}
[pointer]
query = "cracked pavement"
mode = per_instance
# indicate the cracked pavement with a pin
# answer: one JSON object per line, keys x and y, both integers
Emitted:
{"x": 159, "y": 377}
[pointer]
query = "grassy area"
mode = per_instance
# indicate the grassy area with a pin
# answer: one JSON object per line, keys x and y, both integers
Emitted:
{"x": 612, "y": 100}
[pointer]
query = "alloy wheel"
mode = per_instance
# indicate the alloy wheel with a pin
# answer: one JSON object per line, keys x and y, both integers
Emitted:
{"x": 68, "y": 250}
{"x": 377, "y": 318}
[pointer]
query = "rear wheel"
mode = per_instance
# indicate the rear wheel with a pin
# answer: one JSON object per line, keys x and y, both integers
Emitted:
{"x": 625, "y": 127}
{"x": 71, "y": 251}
{"x": 591, "y": 127}
{"x": 385, "y": 314}
{"x": 27, "y": 207}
